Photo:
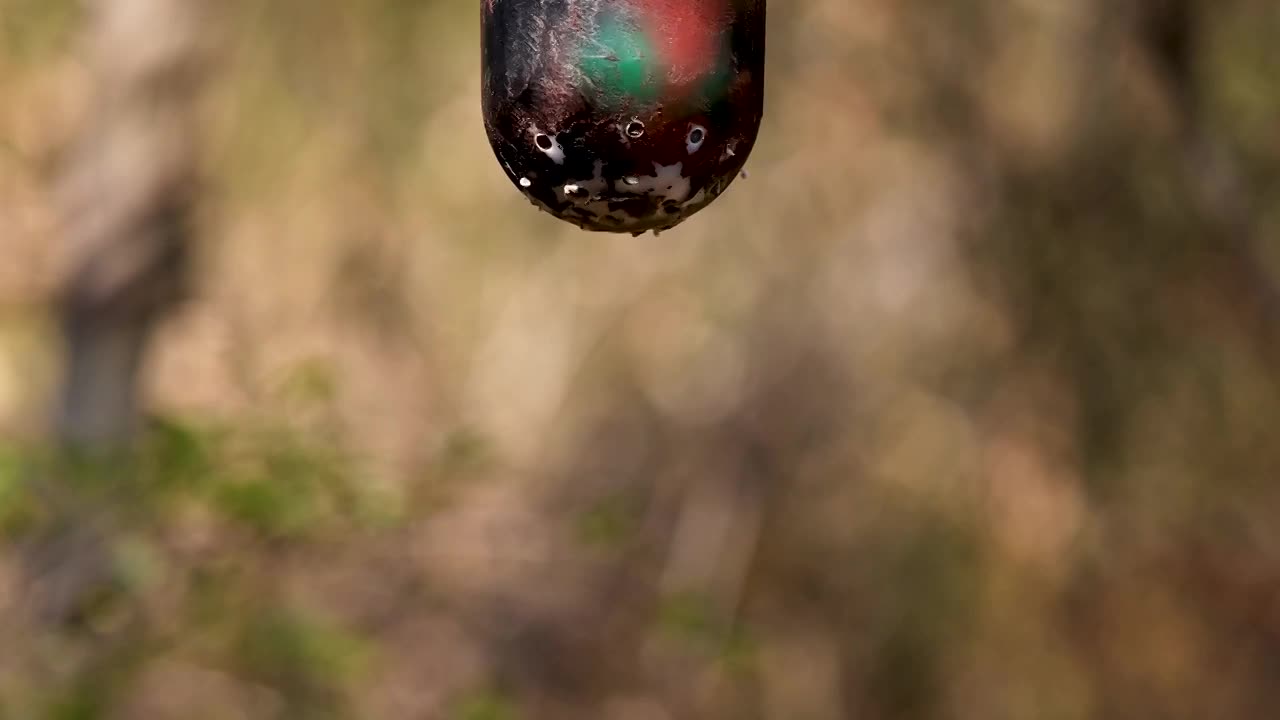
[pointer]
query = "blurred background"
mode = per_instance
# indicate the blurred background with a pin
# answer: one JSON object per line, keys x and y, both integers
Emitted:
{"x": 963, "y": 405}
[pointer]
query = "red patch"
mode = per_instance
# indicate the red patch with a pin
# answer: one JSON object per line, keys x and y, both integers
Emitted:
{"x": 688, "y": 35}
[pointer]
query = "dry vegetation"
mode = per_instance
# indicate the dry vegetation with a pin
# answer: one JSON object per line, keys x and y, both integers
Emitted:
{"x": 962, "y": 406}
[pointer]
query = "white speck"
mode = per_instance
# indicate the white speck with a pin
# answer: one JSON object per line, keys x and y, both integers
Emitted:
{"x": 571, "y": 188}
{"x": 526, "y": 182}
{"x": 631, "y": 180}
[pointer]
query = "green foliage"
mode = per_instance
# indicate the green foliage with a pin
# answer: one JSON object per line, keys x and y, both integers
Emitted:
{"x": 12, "y": 495}
{"x": 30, "y": 30}
{"x": 607, "y": 524}
{"x": 486, "y": 705}
{"x": 307, "y": 658}
{"x": 694, "y": 621}
{"x": 253, "y": 487}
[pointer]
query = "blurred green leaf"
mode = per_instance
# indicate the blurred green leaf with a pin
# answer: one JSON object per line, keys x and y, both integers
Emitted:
{"x": 313, "y": 383}
{"x": 485, "y": 705}
{"x": 693, "y": 618}
{"x": 29, "y": 29}
{"x": 11, "y": 490}
{"x": 178, "y": 456}
{"x": 606, "y": 525}
{"x": 270, "y": 505}
{"x": 140, "y": 564}
{"x": 301, "y": 653}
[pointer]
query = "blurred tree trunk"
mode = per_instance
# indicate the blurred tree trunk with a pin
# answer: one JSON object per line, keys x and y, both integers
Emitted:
{"x": 129, "y": 192}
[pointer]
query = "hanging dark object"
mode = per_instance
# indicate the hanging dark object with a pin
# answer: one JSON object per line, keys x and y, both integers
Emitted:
{"x": 623, "y": 115}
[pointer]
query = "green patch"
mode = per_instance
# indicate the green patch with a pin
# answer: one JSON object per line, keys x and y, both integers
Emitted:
{"x": 607, "y": 524}
{"x": 31, "y": 30}
{"x": 140, "y": 565}
{"x": 281, "y": 485}
{"x": 313, "y": 383}
{"x": 619, "y": 66}
{"x": 464, "y": 451}
{"x": 11, "y": 491}
{"x": 309, "y": 659}
{"x": 83, "y": 703}
{"x": 179, "y": 457}
{"x": 692, "y": 620}
{"x": 266, "y": 506}
{"x": 485, "y": 705}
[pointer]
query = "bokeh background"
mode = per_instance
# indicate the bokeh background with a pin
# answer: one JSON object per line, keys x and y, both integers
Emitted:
{"x": 962, "y": 405}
